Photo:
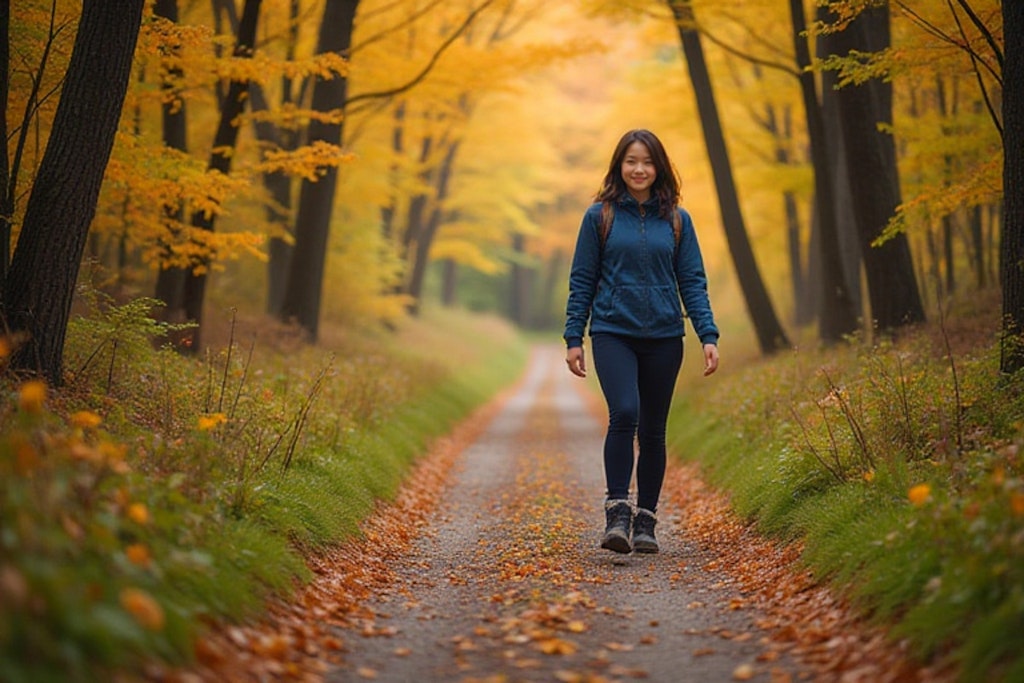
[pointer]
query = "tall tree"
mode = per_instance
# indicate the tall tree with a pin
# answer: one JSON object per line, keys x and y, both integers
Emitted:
{"x": 40, "y": 284}
{"x": 6, "y": 205}
{"x": 837, "y": 316}
{"x": 1011, "y": 255}
{"x": 170, "y": 281}
{"x": 301, "y": 301}
{"x": 871, "y": 160}
{"x": 770, "y": 334}
{"x": 220, "y": 160}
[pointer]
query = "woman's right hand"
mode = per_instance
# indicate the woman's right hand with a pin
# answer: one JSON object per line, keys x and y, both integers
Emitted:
{"x": 576, "y": 360}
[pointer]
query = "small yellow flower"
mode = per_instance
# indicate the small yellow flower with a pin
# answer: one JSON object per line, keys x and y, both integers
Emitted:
{"x": 32, "y": 396}
{"x": 141, "y": 605}
{"x": 138, "y": 555}
{"x": 919, "y": 494}
{"x": 138, "y": 513}
{"x": 211, "y": 421}
{"x": 869, "y": 476}
{"x": 86, "y": 419}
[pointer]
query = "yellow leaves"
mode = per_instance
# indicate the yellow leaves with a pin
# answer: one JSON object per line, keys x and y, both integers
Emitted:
{"x": 32, "y": 396}
{"x": 308, "y": 162}
{"x": 141, "y": 605}
{"x": 920, "y": 494}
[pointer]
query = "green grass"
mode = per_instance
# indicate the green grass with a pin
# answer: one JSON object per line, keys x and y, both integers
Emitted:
{"x": 898, "y": 469}
{"x": 155, "y": 493}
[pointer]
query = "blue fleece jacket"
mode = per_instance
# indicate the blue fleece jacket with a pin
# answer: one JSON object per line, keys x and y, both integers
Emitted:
{"x": 633, "y": 284}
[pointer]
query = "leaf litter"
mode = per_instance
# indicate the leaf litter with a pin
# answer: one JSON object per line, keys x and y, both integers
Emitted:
{"x": 539, "y": 588}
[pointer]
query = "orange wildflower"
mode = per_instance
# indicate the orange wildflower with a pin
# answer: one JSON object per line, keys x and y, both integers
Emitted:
{"x": 138, "y": 555}
{"x": 919, "y": 494}
{"x": 32, "y": 396}
{"x": 86, "y": 419}
{"x": 141, "y": 605}
{"x": 138, "y": 513}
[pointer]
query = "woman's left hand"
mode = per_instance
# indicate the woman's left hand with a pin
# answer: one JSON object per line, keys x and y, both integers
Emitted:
{"x": 710, "y": 358}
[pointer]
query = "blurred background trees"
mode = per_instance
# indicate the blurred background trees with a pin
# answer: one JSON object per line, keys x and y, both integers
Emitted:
{"x": 357, "y": 160}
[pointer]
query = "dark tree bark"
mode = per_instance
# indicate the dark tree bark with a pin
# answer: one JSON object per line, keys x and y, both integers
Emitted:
{"x": 279, "y": 184}
{"x": 837, "y": 316}
{"x": 842, "y": 208}
{"x": 871, "y": 161}
{"x": 170, "y": 282}
{"x": 41, "y": 282}
{"x": 1011, "y": 255}
{"x": 449, "y": 283}
{"x": 520, "y": 285}
{"x": 770, "y": 335}
{"x": 425, "y": 238}
{"x": 316, "y": 200}
{"x": 220, "y": 160}
{"x": 6, "y": 203}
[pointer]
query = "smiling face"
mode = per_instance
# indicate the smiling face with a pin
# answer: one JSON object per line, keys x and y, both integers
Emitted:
{"x": 638, "y": 171}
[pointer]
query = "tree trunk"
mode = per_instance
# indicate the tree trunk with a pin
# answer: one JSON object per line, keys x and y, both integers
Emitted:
{"x": 316, "y": 199}
{"x": 41, "y": 282}
{"x": 837, "y": 317}
{"x": 977, "y": 246}
{"x": 170, "y": 282}
{"x": 770, "y": 335}
{"x": 842, "y": 209}
{"x": 425, "y": 239}
{"x": 6, "y": 198}
{"x": 279, "y": 184}
{"x": 519, "y": 284}
{"x": 220, "y": 160}
{"x": 449, "y": 283}
{"x": 1011, "y": 254}
{"x": 871, "y": 162}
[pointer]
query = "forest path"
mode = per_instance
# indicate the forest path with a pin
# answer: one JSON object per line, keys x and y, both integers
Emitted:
{"x": 507, "y": 582}
{"x": 486, "y": 568}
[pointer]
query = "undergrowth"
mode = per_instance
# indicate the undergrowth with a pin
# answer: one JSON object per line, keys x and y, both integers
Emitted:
{"x": 898, "y": 466}
{"x": 155, "y": 492}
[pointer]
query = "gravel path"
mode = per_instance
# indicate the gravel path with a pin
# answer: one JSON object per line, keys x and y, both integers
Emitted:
{"x": 507, "y": 582}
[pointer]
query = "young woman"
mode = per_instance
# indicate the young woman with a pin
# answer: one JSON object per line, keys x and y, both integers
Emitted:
{"x": 637, "y": 265}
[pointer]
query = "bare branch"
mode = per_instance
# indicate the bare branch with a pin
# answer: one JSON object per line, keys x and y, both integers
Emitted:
{"x": 384, "y": 33}
{"x": 391, "y": 92}
{"x": 980, "y": 25}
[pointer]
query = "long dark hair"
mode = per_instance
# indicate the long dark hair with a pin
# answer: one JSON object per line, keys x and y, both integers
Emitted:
{"x": 666, "y": 185}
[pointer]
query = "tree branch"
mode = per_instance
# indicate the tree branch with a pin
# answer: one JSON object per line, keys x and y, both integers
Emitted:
{"x": 430, "y": 64}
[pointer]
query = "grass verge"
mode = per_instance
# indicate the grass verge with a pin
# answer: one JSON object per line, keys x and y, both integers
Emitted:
{"x": 156, "y": 493}
{"x": 898, "y": 466}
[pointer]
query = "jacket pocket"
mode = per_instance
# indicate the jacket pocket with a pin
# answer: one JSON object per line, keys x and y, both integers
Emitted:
{"x": 666, "y": 310}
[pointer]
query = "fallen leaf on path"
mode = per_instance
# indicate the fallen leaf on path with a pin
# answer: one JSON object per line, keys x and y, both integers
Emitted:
{"x": 743, "y": 672}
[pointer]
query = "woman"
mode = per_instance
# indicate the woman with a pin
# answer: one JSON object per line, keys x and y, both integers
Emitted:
{"x": 636, "y": 257}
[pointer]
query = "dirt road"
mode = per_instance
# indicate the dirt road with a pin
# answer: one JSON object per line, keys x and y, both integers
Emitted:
{"x": 507, "y": 582}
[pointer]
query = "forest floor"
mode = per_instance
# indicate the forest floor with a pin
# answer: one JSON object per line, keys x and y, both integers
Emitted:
{"x": 486, "y": 567}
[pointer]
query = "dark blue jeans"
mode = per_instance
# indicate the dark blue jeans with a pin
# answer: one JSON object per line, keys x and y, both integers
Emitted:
{"x": 638, "y": 378}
